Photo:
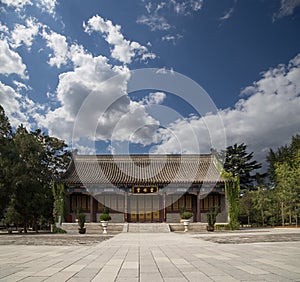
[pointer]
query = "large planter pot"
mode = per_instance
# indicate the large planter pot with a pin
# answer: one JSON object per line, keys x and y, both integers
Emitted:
{"x": 186, "y": 223}
{"x": 210, "y": 228}
{"x": 81, "y": 230}
{"x": 104, "y": 226}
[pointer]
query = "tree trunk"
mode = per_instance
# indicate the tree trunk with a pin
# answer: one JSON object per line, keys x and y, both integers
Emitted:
{"x": 35, "y": 225}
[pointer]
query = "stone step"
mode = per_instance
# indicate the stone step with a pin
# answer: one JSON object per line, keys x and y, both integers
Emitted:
{"x": 148, "y": 228}
{"x": 193, "y": 227}
{"x": 93, "y": 227}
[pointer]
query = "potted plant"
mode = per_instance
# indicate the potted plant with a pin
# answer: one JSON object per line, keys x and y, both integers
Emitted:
{"x": 212, "y": 217}
{"x": 77, "y": 212}
{"x": 185, "y": 218}
{"x": 105, "y": 218}
{"x": 81, "y": 222}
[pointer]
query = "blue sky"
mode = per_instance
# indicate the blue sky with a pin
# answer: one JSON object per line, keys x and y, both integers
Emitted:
{"x": 244, "y": 53}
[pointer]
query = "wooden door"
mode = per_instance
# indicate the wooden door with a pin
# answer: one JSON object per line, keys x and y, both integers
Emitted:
{"x": 144, "y": 208}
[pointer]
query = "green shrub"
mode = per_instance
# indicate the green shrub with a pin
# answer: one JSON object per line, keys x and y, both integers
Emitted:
{"x": 224, "y": 226}
{"x": 81, "y": 220}
{"x": 58, "y": 229}
{"x": 186, "y": 215}
{"x": 105, "y": 217}
{"x": 212, "y": 215}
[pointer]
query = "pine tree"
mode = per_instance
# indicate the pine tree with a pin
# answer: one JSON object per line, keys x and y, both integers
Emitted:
{"x": 5, "y": 127}
{"x": 239, "y": 163}
{"x": 237, "y": 168}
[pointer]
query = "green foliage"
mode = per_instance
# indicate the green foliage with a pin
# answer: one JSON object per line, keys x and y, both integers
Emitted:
{"x": 28, "y": 163}
{"x": 106, "y": 210}
{"x": 11, "y": 216}
{"x": 284, "y": 176}
{"x": 287, "y": 175}
{"x": 238, "y": 168}
{"x": 58, "y": 230}
{"x": 221, "y": 226}
{"x": 186, "y": 215}
{"x": 8, "y": 158}
{"x": 239, "y": 163}
{"x": 81, "y": 220}
{"x": 59, "y": 207}
{"x": 32, "y": 195}
{"x": 246, "y": 208}
{"x": 284, "y": 154}
{"x": 232, "y": 191}
{"x": 55, "y": 155}
{"x": 212, "y": 215}
{"x": 105, "y": 217}
{"x": 260, "y": 207}
{"x": 5, "y": 127}
{"x": 261, "y": 203}
{"x": 277, "y": 201}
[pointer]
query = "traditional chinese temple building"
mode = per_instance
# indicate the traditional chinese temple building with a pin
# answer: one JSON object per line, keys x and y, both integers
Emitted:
{"x": 144, "y": 188}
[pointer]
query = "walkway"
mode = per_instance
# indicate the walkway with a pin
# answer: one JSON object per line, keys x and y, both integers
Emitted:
{"x": 154, "y": 257}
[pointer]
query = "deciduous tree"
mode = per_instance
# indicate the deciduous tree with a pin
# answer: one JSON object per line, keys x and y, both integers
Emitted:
{"x": 7, "y": 160}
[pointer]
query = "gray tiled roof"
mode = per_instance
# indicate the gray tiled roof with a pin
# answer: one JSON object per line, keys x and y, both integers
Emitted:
{"x": 142, "y": 169}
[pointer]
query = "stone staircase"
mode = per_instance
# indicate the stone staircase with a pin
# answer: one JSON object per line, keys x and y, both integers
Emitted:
{"x": 148, "y": 228}
{"x": 95, "y": 228}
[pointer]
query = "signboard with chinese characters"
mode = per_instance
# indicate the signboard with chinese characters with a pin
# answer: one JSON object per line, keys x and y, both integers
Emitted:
{"x": 144, "y": 189}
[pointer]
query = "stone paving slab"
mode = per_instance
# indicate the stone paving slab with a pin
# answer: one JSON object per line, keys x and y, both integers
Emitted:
{"x": 52, "y": 239}
{"x": 158, "y": 257}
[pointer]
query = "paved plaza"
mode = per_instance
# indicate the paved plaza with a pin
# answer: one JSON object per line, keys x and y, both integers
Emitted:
{"x": 160, "y": 257}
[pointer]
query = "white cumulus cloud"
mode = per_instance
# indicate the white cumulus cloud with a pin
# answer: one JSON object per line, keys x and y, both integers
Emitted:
{"x": 47, "y": 6}
{"x": 10, "y": 61}
{"x": 266, "y": 118}
{"x": 18, "y": 108}
{"x": 93, "y": 98}
{"x": 24, "y": 33}
{"x": 58, "y": 43}
{"x": 123, "y": 50}
{"x": 17, "y": 3}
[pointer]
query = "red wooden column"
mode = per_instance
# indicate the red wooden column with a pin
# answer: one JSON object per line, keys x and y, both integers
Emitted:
{"x": 125, "y": 207}
{"x": 92, "y": 218}
{"x": 198, "y": 208}
{"x": 164, "y": 208}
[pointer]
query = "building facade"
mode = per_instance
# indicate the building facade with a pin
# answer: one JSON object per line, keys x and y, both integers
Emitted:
{"x": 144, "y": 188}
